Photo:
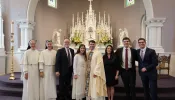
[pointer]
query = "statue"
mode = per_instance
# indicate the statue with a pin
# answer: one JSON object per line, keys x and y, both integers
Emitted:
{"x": 56, "y": 37}
{"x": 123, "y": 33}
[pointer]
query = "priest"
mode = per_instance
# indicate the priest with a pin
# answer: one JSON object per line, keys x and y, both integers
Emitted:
{"x": 96, "y": 81}
{"x": 31, "y": 72}
{"x": 47, "y": 72}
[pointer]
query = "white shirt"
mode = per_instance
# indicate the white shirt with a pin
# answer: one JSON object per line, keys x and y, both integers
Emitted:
{"x": 69, "y": 53}
{"x": 129, "y": 58}
{"x": 143, "y": 50}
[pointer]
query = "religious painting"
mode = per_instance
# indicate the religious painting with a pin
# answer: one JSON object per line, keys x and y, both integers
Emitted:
{"x": 129, "y": 3}
{"x": 52, "y": 3}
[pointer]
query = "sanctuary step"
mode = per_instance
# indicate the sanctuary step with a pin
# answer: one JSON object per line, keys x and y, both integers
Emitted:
{"x": 12, "y": 89}
{"x": 9, "y": 98}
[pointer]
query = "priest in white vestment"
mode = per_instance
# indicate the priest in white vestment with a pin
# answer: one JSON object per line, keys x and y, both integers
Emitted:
{"x": 96, "y": 81}
{"x": 31, "y": 73}
{"x": 47, "y": 72}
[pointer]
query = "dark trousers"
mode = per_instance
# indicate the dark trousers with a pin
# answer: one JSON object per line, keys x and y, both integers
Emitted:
{"x": 149, "y": 82}
{"x": 65, "y": 86}
{"x": 129, "y": 78}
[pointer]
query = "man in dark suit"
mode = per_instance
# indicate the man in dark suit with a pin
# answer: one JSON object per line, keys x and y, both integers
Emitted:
{"x": 126, "y": 57}
{"x": 64, "y": 69}
{"x": 147, "y": 69}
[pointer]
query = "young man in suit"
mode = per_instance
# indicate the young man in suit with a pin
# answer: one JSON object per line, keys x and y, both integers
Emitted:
{"x": 126, "y": 57}
{"x": 148, "y": 61}
{"x": 64, "y": 69}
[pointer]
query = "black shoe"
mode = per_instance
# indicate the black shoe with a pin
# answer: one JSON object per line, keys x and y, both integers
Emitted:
{"x": 61, "y": 98}
{"x": 68, "y": 98}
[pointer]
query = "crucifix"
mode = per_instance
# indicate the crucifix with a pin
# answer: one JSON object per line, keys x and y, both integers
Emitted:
{"x": 90, "y": 1}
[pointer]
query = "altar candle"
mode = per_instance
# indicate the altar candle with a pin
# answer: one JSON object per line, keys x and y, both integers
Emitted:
{"x": 82, "y": 18}
{"x": 108, "y": 20}
{"x": 73, "y": 20}
{"x": 104, "y": 17}
{"x": 99, "y": 17}
{"x": 77, "y": 16}
{"x": 12, "y": 27}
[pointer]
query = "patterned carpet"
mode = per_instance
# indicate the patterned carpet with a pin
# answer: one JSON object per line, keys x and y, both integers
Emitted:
{"x": 12, "y": 89}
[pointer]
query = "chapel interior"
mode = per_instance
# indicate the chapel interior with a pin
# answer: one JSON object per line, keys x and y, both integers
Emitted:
{"x": 23, "y": 20}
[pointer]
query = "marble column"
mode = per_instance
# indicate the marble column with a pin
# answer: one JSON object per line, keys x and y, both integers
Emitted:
{"x": 26, "y": 33}
{"x": 154, "y": 33}
{"x": 1, "y": 29}
{"x": 2, "y": 49}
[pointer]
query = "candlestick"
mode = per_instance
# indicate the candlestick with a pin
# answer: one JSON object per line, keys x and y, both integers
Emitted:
{"x": 12, "y": 75}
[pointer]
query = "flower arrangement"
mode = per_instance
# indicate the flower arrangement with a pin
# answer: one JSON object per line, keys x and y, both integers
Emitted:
{"x": 104, "y": 38}
{"x": 76, "y": 39}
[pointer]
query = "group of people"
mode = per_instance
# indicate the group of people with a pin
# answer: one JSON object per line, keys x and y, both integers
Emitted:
{"x": 87, "y": 75}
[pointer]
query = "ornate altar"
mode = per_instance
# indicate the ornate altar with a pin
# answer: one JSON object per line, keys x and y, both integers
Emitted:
{"x": 89, "y": 28}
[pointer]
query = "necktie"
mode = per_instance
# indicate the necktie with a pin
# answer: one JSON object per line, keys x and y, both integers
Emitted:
{"x": 126, "y": 59}
{"x": 142, "y": 55}
{"x": 69, "y": 58}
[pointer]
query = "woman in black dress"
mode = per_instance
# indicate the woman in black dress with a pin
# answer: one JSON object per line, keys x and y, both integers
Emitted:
{"x": 111, "y": 71}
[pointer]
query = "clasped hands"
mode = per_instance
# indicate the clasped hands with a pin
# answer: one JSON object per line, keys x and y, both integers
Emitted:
{"x": 76, "y": 76}
{"x": 116, "y": 77}
{"x": 41, "y": 74}
{"x": 57, "y": 74}
{"x": 143, "y": 69}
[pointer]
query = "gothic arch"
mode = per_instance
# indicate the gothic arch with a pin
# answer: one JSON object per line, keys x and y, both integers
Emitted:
{"x": 33, "y": 4}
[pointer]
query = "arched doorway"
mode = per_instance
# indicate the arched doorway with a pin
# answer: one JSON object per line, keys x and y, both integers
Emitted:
{"x": 33, "y": 4}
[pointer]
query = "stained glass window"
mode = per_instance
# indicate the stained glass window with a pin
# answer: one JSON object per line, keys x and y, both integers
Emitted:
{"x": 129, "y": 3}
{"x": 52, "y": 3}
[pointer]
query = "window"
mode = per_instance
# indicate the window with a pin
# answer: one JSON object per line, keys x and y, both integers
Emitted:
{"x": 52, "y": 3}
{"x": 129, "y": 3}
